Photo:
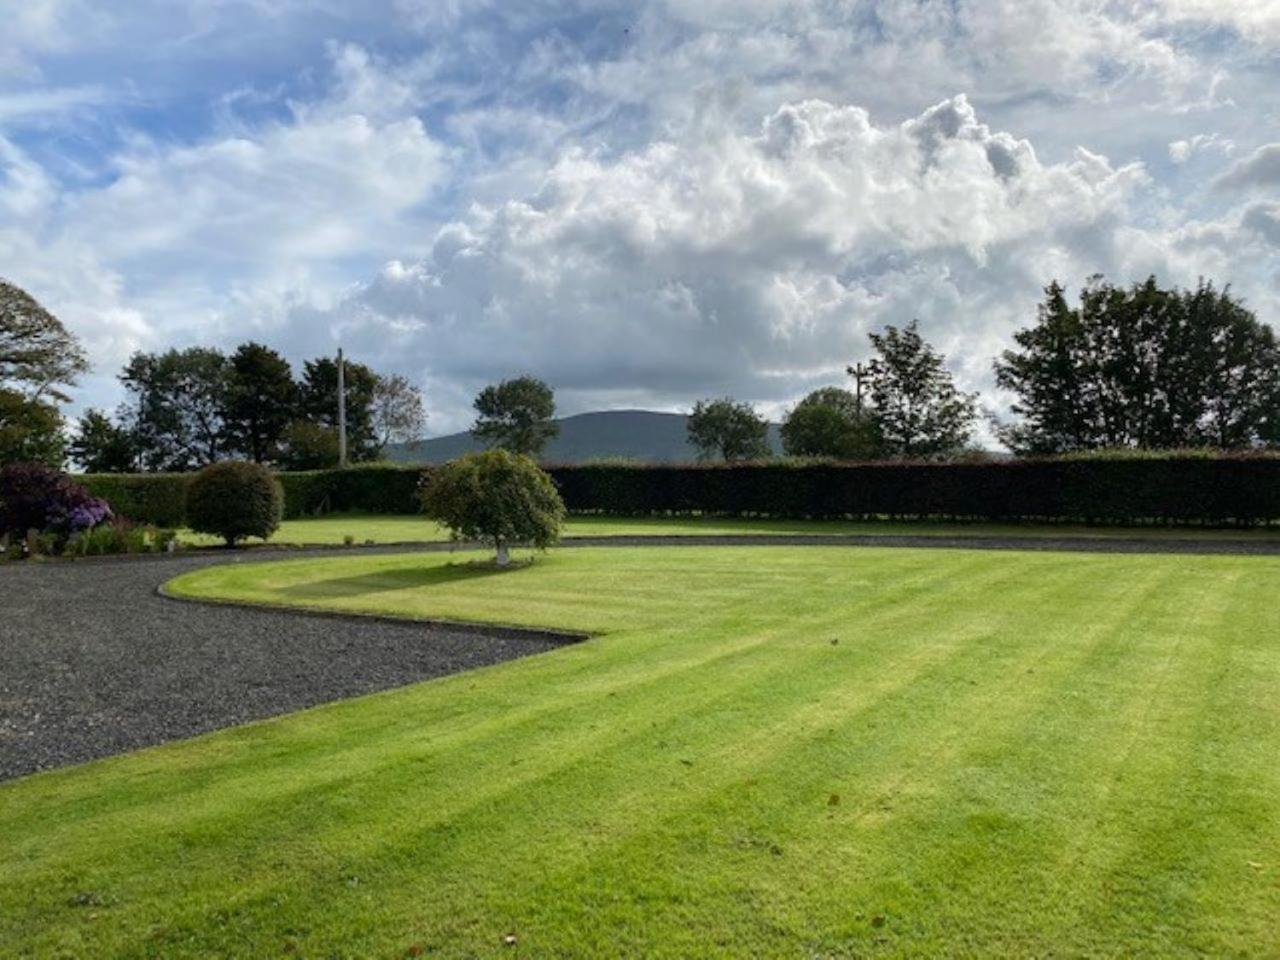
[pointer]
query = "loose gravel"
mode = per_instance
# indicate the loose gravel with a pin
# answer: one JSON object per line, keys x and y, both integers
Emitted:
{"x": 94, "y": 661}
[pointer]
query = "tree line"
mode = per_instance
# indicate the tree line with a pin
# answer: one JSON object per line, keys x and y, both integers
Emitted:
{"x": 1142, "y": 367}
{"x": 191, "y": 407}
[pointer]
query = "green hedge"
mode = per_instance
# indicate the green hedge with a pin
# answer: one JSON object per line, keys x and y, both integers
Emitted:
{"x": 1181, "y": 488}
{"x": 159, "y": 498}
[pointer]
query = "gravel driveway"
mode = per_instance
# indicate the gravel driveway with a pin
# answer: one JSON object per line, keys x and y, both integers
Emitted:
{"x": 93, "y": 662}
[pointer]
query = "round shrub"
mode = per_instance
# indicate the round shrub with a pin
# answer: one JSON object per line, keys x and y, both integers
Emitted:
{"x": 36, "y": 497}
{"x": 496, "y": 497}
{"x": 233, "y": 500}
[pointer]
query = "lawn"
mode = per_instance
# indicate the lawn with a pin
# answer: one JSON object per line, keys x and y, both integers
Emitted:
{"x": 389, "y": 528}
{"x": 763, "y": 752}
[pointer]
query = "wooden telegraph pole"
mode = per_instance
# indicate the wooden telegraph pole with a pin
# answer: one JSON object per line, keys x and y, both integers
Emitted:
{"x": 858, "y": 372}
{"x": 342, "y": 412}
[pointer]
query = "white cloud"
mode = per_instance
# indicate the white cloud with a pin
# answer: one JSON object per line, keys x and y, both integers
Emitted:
{"x": 1260, "y": 169}
{"x": 752, "y": 264}
{"x": 1180, "y": 151}
{"x": 1257, "y": 21}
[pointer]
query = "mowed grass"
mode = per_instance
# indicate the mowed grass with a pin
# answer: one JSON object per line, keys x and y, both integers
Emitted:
{"x": 765, "y": 752}
{"x": 389, "y": 528}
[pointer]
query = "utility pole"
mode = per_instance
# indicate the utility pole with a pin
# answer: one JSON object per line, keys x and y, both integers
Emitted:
{"x": 342, "y": 412}
{"x": 858, "y": 372}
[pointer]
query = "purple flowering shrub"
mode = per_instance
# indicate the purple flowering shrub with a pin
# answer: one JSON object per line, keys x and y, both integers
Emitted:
{"x": 36, "y": 497}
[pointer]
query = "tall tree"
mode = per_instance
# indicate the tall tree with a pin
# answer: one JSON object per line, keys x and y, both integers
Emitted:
{"x": 102, "y": 446}
{"x": 177, "y": 406}
{"x": 30, "y": 430}
{"x": 830, "y": 422}
{"x": 399, "y": 415}
{"x": 728, "y": 429}
{"x": 916, "y": 407}
{"x": 37, "y": 353}
{"x": 516, "y": 415}
{"x": 261, "y": 401}
{"x": 1141, "y": 367}
{"x": 319, "y": 402}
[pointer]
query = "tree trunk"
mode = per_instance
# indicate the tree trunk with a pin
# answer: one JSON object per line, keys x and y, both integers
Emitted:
{"x": 504, "y": 558}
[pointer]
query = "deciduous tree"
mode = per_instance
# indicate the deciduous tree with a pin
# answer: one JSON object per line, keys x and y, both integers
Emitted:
{"x": 917, "y": 409}
{"x": 727, "y": 429}
{"x": 829, "y": 423}
{"x": 38, "y": 355}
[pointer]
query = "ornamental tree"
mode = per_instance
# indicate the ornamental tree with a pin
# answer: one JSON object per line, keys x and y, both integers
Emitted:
{"x": 496, "y": 497}
{"x": 233, "y": 500}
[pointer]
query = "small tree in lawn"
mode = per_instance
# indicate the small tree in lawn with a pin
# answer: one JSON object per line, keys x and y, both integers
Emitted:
{"x": 496, "y": 497}
{"x": 730, "y": 430}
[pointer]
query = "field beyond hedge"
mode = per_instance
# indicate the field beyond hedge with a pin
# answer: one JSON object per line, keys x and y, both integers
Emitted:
{"x": 765, "y": 752}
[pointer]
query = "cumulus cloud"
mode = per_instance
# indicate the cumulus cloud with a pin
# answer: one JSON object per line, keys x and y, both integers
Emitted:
{"x": 752, "y": 264}
{"x": 644, "y": 202}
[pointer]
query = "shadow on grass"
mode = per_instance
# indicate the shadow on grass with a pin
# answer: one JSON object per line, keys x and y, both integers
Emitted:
{"x": 409, "y": 578}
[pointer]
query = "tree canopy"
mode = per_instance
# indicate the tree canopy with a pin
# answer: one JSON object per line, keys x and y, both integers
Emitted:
{"x": 516, "y": 415}
{"x": 727, "y": 429}
{"x": 38, "y": 355}
{"x": 1143, "y": 367}
{"x": 830, "y": 423}
{"x": 497, "y": 497}
{"x": 917, "y": 409}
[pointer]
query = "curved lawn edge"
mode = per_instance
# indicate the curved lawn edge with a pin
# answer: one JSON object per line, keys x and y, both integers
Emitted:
{"x": 505, "y": 631}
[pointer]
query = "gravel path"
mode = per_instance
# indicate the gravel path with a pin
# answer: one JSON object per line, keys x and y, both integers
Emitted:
{"x": 94, "y": 662}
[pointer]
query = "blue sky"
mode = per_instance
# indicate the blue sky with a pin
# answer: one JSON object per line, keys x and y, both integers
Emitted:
{"x": 644, "y": 203}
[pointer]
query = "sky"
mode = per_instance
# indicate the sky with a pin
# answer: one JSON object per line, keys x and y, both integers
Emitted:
{"x": 643, "y": 203}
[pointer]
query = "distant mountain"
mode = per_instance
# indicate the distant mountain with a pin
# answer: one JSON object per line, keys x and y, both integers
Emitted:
{"x": 633, "y": 434}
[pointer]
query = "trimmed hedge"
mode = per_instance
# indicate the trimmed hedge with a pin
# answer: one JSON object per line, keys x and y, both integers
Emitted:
{"x": 1183, "y": 488}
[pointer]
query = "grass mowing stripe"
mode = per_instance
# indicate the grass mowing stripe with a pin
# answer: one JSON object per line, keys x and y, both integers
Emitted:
{"x": 534, "y": 796}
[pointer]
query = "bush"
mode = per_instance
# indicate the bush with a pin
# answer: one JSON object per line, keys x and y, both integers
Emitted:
{"x": 233, "y": 500}
{"x": 496, "y": 497}
{"x": 36, "y": 497}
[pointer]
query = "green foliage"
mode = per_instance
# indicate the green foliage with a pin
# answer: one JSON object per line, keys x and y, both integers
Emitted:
{"x": 516, "y": 415}
{"x": 496, "y": 497}
{"x": 30, "y": 430}
{"x": 176, "y": 411}
{"x": 260, "y": 401}
{"x": 729, "y": 430}
{"x": 318, "y": 394}
{"x": 310, "y": 446}
{"x": 1145, "y": 367}
{"x": 154, "y": 498}
{"x": 829, "y": 423}
{"x": 118, "y": 536}
{"x": 101, "y": 446}
{"x": 234, "y": 499}
{"x": 917, "y": 409}
{"x": 37, "y": 353}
